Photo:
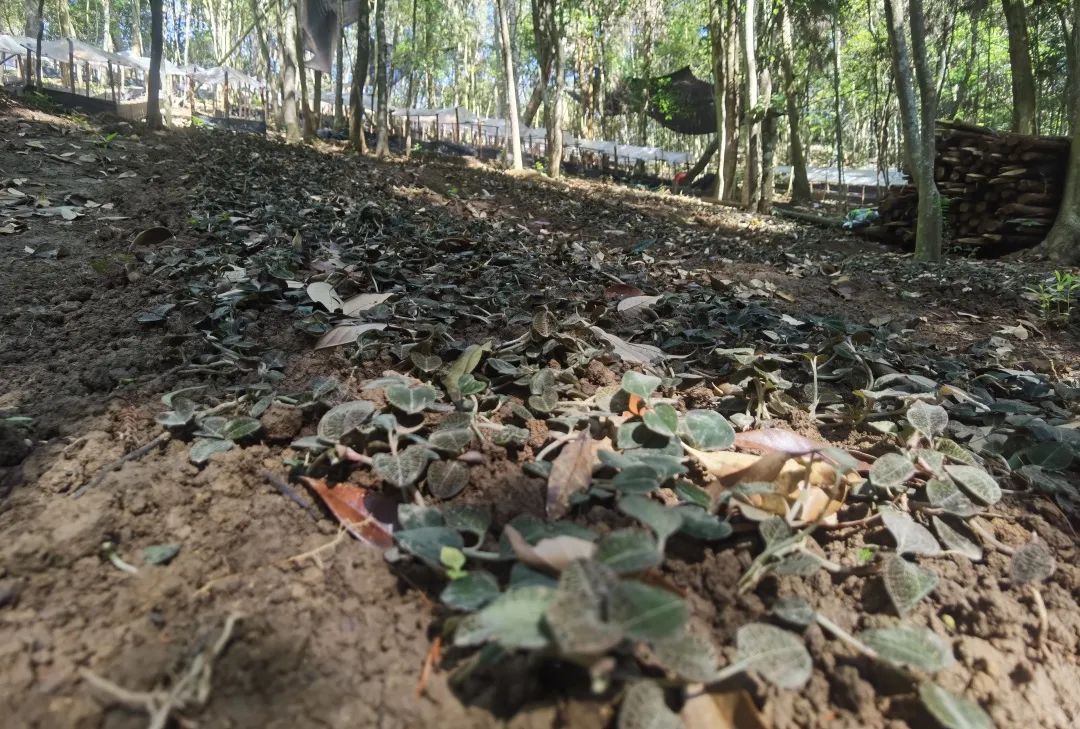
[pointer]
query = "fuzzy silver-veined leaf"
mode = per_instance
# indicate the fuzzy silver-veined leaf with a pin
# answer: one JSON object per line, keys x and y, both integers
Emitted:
{"x": 446, "y": 479}
{"x": 952, "y": 711}
{"x": 411, "y": 400}
{"x": 452, "y": 440}
{"x": 780, "y": 656}
{"x": 628, "y": 550}
{"x": 907, "y": 645}
{"x": 976, "y": 482}
{"x": 203, "y": 448}
{"x": 690, "y": 656}
{"x": 929, "y": 420}
{"x": 892, "y": 470}
{"x": 645, "y": 612}
{"x": 637, "y": 479}
{"x": 240, "y": 428}
{"x": 794, "y": 611}
{"x": 643, "y": 707}
{"x": 701, "y": 524}
{"x": 1032, "y": 562}
{"x": 707, "y": 430}
{"x": 470, "y": 592}
{"x": 513, "y": 620}
{"x": 907, "y": 583}
{"x": 640, "y": 384}
{"x": 662, "y": 520}
{"x": 946, "y": 496}
{"x": 404, "y": 469}
{"x": 662, "y": 420}
{"x": 574, "y": 617}
{"x": 426, "y": 543}
{"x": 342, "y": 419}
{"x": 911, "y": 537}
{"x": 956, "y": 540}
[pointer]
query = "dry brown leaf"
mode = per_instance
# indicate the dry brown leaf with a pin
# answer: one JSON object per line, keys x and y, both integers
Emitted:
{"x": 362, "y": 302}
{"x": 722, "y": 710}
{"x": 346, "y": 334}
{"x": 629, "y": 351}
{"x": 554, "y": 554}
{"x": 571, "y": 471}
{"x": 356, "y": 509}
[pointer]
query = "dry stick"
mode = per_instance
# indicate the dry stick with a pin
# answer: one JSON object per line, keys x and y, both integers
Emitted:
{"x": 290, "y": 493}
{"x": 105, "y": 470}
{"x": 1040, "y": 611}
{"x": 192, "y": 688}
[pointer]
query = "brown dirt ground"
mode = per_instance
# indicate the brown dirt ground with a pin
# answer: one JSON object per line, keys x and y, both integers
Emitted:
{"x": 339, "y": 640}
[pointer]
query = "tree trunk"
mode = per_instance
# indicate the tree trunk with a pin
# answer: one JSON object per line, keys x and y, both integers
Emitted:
{"x": 511, "y": 88}
{"x": 752, "y": 188}
{"x": 555, "y": 106}
{"x": 768, "y": 144}
{"x": 800, "y": 191}
{"x": 339, "y": 78}
{"x": 382, "y": 121}
{"x": 1023, "y": 80}
{"x": 717, "y": 33}
{"x": 917, "y": 123}
{"x": 542, "y": 15}
{"x": 837, "y": 112}
{"x": 307, "y": 117}
{"x": 1062, "y": 245}
{"x": 136, "y": 24}
{"x": 107, "y": 43}
{"x": 153, "y": 81}
{"x": 31, "y": 15}
{"x": 288, "y": 77}
{"x": 359, "y": 79}
{"x": 316, "y": 98}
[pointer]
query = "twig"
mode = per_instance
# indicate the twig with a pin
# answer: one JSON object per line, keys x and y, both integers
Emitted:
{"x": 105, "y": 470}
{"x": 290, "y": 493}
{"x": 193, "y": 688}
{"x": 1040, "y": 612}
{"x": 313, "y": 554}
{"x": 990, "y": 538}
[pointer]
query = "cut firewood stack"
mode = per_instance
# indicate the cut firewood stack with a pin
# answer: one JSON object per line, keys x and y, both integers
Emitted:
{"x": 1002, "y": 190}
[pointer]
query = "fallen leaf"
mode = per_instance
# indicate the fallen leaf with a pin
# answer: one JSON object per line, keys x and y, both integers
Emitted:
{"x": 775, "y": 439}
{"x": 325, "y": 294}
{"x": 571, "y": 471}
{"x": 632, "y": 304}
{"x": 722, "y": 710}
{"x": 362, "y": 302}
{"x": 553, "y": 554}
{"x": 628, "y": 351}
{"x": 152, "y": 236}
{"x": 346, "y": 334}
{"x": 368, "y": 517}
{"x": 621, "y": 291}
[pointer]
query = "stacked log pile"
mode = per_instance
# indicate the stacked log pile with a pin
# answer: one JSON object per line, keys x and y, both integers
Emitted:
{"x": 1002, "y": 190}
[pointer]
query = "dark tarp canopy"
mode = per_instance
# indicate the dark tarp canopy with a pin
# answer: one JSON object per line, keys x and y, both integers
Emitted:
{"x": 679, "y": 101}
{"x": 322, "y": 21}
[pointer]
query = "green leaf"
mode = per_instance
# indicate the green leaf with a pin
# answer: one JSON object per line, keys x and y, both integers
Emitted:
{"x": 411, "y": 400}
{"x": 470, "y": 592}
{"x": 976, "y": 482}
{"x": 794, "y": 611}
{"x": 946, "y": 496}
{"x": 700, "y": 524}
{"x": 414, "y": 516}
{"x": 452, "y": 559}
{"x": 1032, "y": 562}
{"x": 404, "y": 469}
{"x": 956, "y": 540}
{"x": 469, "y": 518}
{"x": 511, "y": 435}
{"x": 906, "y": 583}
{"x": 662, "y": 420}
{"x": 574, "y": 616}
{"x": 952, "y": 711}
{"x": 240, "y": 428}
{"x": 203, "y": 448}
{"x": 778, "y": 655}
{"x": 707, "y": 430}
{"x": 342, "y": 419}
{"x": 425, "y": 362}
{"x": 160, "y": 553}
{"x": 911, "y": 537}
{"x": 643, "y": 707}
{"x": 891, "y": 470}
{"x": 663, "y": 521}
{"x": 929, "y": 420}
{"x": 426, "y": 543}
{"x": 544, "y": 402}
{"x": 645, "y": 612}
{"x": 446, "y": 479}
{"x": 954, "y": 451}
{"x": 688, "y": 655}
{"x": 640, "y": 384}
{"x": 513, "y": 620}
{"x": 452, "y": 441}
{"x": 637, "y": 479}
{"x": 906, "y": 645}
{"x": 627, "y": 551}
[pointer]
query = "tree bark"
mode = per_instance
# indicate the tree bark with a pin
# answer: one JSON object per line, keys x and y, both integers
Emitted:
{"x": 800, "y": 191}
{"x": 339, "y": 78}
{"x": 382, "y": 120}
{"x": 153, "y": 81}
{"x": 1062, "y": 245}
{"x": 289, "y": 107}
{"x": 359, "y": 79}
{"x": 752, "y": 188}
{"x": 107, "y": 42}
{"x": 838, "y": 116}
{"x": 1023, "y": 79}
{"x": 316, "y": 98}
{"x": 511, "y": 87}
{"x": 307, "y": 116}
{"x": 136, "y": 24}
{"x": 555, "y": 105}
{"x": 718, "y": 17}
{"x": 917, "y": 123}
{"x": 542, "y": 12}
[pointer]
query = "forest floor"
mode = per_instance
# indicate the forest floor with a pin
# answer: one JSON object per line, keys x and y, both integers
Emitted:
{"x": 97, "y": 324}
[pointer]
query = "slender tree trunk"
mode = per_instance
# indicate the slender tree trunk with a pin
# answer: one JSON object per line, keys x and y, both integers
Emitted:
{"x": 542, "y": 14}
{"x": 32, "y": 18}
{"x": 289, "y": 106}
{"x": 555, "y": 103}
{"x": 316, "y": 98}
{"x": 917, "y": 122}
{"x": 800, "y": 191}
{"x": 107, "y": 42}
{"x": 307, "y": 116}
{"x": 382, "y": 143}
{"x": 730, "y": 153}
{"x": 752, "y": 189}
{"x": 511, "y": 88}
{"x": 410, "y": 91}
{"x": 359, "y": 79}
{"x": 136, "y": 24}
{"x": 768, "y": 144}
{"x": 1023, "y": 79}
{"x": 153, "y": 82}
{"x": 1062, "y": 245}
{"x": 339, "y": 77}
{"x": 718, "y": 33}
{"x": 837, "y": 110}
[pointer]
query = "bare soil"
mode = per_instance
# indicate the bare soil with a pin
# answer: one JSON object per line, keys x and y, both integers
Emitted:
{"x": 337, "y": 638}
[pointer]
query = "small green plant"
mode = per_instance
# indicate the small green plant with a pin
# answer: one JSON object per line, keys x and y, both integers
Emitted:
{"x": 1056, "y": 296}
{"x": 538, "y": 165}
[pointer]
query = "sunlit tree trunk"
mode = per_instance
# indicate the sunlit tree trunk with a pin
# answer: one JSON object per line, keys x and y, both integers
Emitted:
{"x": 1023, "y": 80}
{"x": 289, "y": 107}
{"x": 718, "y": 34}
{"x": 800, "y": 190}
{"x": 153, "y": 82}
{"x": 838, "y": 120}
{"x": 1062, "y": 245}
{"x": 359, "y": 79}
{"x": 136, "y": 24}
{"x": 511, "y": 87}
{"x": 107, "y": 42}
{"x": 556, "y": 105}
{"x": 917, "y": 119}
{"x": 382, "y": 120}
{"x": 752, "y": 188}
{"x": 543, "y": 19}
